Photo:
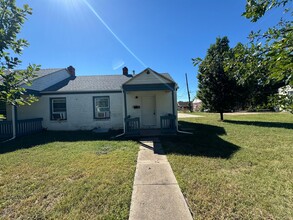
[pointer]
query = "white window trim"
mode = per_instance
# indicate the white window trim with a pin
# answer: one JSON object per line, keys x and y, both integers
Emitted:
{"x": 63, "y": 115}
{"x": 107, "y": 114}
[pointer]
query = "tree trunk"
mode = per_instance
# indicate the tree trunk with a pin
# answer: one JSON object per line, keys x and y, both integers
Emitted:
{"x": 222, "y": 116}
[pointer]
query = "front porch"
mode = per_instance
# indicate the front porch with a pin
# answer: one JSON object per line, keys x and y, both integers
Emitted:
{"x": 150, "y": 110}
{"x": 167, "y": 127}
{"x": 150, "y": 107}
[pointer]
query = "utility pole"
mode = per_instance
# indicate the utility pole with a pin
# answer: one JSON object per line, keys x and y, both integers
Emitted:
{"x": 189, "y": 103}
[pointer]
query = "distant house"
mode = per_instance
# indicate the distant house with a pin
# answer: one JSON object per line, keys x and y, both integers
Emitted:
{"x": 196, "y": 104}
{"x": 288, "y": 91}
{"x": 69, "y": 102}
{"x": 183, "y": 106}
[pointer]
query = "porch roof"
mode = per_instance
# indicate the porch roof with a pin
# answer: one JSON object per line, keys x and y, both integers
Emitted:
{"x": 150, "y": 87}
{"x": 150, "y": 80}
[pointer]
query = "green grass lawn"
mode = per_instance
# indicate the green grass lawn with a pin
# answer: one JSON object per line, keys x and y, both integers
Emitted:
{"x": 66, "y": 175}
{"x": 238, "y": 169}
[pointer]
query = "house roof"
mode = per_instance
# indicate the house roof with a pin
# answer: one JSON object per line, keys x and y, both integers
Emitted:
{"x": 89, "y": 83}
{"x": 45, "y": 72}
{"x": 40, "y": 73}
{"x": 167, "y": 76}
{"x": 196, "y": 101}
{"x": 182, "y": 103}
{"x": 93, "y": 83}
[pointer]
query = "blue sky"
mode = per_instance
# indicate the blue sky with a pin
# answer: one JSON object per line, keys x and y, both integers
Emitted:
{"x": 161, "y": 34}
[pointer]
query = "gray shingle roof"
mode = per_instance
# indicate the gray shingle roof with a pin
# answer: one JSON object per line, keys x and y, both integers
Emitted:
{"x": 167, "y": 75}
{"x": 87, "y": 83}
{"x": 90, "y": 83}
{"x": 40, "y": 73}
{"x": 45, "y": 72}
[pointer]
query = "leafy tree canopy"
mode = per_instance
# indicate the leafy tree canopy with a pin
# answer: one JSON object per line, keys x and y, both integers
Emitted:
{"x": 253, "y": 79}
{"x": 11, "y": 81}
{"x": 255, "y": 9}
{"x": 259, "y": 68}
{"x": 272, "y": 49}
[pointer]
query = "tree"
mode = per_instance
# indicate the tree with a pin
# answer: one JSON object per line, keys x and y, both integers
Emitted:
{"x": 274, "y": 47}
{"x": 11, "y": 81}
{"x": 255, "y": 82}
{"x": 217, "y": 89}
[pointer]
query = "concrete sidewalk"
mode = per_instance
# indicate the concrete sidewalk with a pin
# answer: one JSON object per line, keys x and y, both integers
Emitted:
{"x": 156, "y": 194}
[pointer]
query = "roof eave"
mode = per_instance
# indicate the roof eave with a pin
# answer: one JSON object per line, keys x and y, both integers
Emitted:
{"x": 79, "y": 92}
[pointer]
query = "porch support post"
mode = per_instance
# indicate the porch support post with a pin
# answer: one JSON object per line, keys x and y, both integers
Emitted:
{"x": 173, "y": 102}
{"x": 175, "y": 109}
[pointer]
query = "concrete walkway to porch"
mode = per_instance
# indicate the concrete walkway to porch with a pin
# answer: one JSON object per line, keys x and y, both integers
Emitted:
{"x": 156, "y": 194}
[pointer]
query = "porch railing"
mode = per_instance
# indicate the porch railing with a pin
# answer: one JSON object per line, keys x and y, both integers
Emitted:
{"x": 5, "y": 129}
{"x": 23, "y": 127}
{"x": 29, "y": 126}
{"x": 168, "y": 124}
{"x": 132, "y": 125}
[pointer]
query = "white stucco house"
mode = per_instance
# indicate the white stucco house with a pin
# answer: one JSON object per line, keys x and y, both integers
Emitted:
{"x": 196, "y": 104}
{"x": 134, "y": 103}
{"x": 286, "y": 91}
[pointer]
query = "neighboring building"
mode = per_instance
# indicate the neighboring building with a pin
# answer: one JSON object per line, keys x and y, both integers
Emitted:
{"x": 196, "y": 104}
{"x": 69, "y": 102}
{"x": 183, "y": 106}
{"x": 288, "y": 91}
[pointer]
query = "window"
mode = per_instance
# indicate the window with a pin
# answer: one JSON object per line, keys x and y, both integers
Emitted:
{"x": 2, "y": 109}
{"x": 58, "y": 109}
{"x": 102, "y": 107}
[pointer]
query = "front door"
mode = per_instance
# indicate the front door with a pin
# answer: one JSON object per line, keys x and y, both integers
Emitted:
{"x": 148, "y": 113}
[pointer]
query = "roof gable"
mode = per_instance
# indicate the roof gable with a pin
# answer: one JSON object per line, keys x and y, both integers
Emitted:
{"x": 149, "y": 76}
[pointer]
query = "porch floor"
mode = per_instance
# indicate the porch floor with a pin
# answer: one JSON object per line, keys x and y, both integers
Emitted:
{"x": 150, "y": 133}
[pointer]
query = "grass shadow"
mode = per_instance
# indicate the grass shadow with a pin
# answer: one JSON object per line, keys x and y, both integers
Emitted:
{"x": 205, "y": 141}
{"x": 46, "y": 137}
{"x": 262, "y": 124}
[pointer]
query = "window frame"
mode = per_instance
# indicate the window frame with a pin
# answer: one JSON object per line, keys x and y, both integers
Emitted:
{"x": 52, "y": 112}
{"x": 94, "y": 107}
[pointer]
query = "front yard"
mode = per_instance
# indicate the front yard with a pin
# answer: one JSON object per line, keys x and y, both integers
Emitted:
{"x": 238, "y": 169}
{"x": 66, "y": 175}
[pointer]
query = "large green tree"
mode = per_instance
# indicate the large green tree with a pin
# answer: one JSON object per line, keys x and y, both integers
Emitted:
{"x": 273, "y": 48}
{"x": 11, "y": 81}
{"x": 254, "y": 79}
{"x": 217, "y": 89}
